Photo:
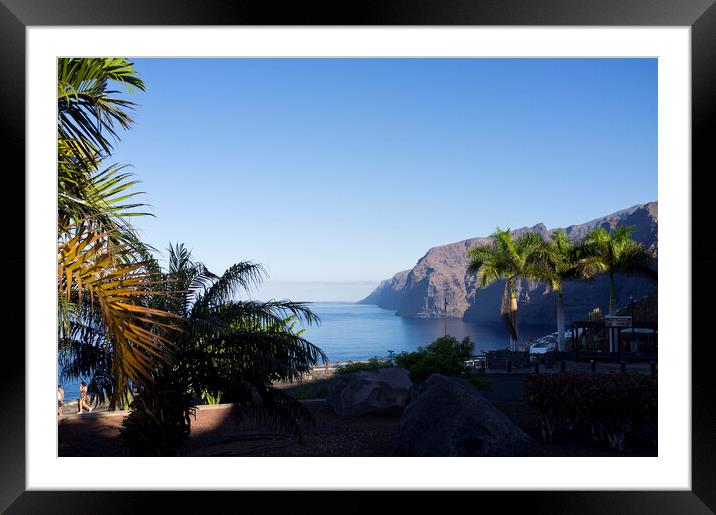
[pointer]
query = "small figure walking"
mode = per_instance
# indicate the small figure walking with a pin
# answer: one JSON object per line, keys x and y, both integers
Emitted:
{"x": 82, "y": 402}
{"x": 60, "y": 399}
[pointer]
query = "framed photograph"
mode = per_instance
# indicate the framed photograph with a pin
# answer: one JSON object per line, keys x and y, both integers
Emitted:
{"x": 309, "y": 154}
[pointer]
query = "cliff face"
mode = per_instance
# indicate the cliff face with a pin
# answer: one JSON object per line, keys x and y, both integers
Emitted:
{"x": 441, "y": 274}
{"x": 389, "y": 292}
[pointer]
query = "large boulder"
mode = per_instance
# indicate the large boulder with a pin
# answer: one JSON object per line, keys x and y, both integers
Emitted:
{"x": 449, "y": 417}
{"x": 382, "y": 391}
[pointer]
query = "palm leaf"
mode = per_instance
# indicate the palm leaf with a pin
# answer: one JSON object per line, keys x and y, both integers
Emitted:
{"x": 118, "y": 290}
{"x": 88, "y": 113}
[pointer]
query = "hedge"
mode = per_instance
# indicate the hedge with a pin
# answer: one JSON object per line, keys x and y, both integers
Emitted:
{"x": 609, "y": 406}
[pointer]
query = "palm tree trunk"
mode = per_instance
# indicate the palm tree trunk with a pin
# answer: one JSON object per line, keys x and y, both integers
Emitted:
{"x": 612, "y": 300}
{"x": 560, "y": 321}
{"x": 513, "y": 317}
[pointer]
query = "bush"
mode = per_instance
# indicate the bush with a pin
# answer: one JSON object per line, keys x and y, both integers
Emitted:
{"x": 610, "y": 406}
{"x": 372, "y": 364}
{"x": 479, "y": 379}
{"x": 446, "y": 356}
{"x": 160, "y": 420}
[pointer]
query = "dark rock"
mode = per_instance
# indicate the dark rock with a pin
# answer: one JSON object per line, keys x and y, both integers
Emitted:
{"x": 383, "y": 391}
{"x": 449, "y": 417}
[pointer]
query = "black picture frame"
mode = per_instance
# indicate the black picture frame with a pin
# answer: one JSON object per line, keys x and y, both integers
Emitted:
{"x": 700, "y": 15}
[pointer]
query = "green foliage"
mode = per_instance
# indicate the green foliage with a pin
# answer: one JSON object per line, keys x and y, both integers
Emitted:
{"x": 210, "y": 398}
{"x": 106, "y": 331}
{"x": 446, "y": 356}
{"x": 371, "y": 364}
{"x": 509, "y": 259}
{"x": 479, "y": 379}
{"x": 228, "y": 350}
{"x": 160, "y": 418}
{"x": 604, "y": 252}
{"x": 91, "y": 112}
{"x": 609, "y": 407}
{"x": 231, "y": 350}
{"x": 310, "y": 391}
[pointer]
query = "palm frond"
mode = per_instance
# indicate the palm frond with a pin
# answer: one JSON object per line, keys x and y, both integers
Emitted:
{"x": 589, "y": 266}
{"x": 635, "y": 259}
{"x": 90, "y": 268}
{"x": 256, "y": 312}
{"x": 88, "y": 112}
{"x": 99, "y": 199}
{"x": 244, "y": 276}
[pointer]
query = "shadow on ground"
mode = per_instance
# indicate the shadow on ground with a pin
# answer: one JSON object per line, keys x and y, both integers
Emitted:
{"x": 217, "y": 430}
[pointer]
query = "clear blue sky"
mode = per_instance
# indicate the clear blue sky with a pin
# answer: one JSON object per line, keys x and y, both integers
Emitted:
{"x": 337, "y": 173}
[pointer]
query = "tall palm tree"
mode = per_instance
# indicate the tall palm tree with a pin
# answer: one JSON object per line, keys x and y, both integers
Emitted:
{"x": 106, "y": 326}
{"x": 602, "y": 252}
{"x": 229, "y": 349}
{"x": 509, "y": 259}
{"x": 558, "y": 263}
{"x": 89, "y": 115}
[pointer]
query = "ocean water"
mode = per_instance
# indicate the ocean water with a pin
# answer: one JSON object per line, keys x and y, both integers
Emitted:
{"x": 358, "y": 332}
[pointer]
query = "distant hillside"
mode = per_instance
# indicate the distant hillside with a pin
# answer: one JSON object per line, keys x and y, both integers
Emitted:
{"x": 389, "y": 292}
{"x": 441, "y": 272}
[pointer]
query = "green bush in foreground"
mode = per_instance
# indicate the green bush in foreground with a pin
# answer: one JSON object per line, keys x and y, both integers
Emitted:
{"x": 159, "y": 422}
{"x": 610, "y": 407}
{"x": 445, "y": 356}
{"x": 371, "y": 364}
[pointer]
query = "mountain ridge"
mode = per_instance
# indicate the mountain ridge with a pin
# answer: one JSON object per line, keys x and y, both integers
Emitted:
{"x": 441, "y": 273}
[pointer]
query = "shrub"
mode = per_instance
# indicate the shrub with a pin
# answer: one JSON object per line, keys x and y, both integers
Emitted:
{"x": 372, "y": 364}
{"x": 479, "y": 379}
{"x": 446, "y": 356}
{"x": 160, "y": 420}
{"x": 608, "y": 406}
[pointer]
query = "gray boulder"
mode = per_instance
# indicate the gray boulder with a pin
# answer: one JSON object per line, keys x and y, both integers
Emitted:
{"x": 382, "y": 391}
{"x": 448, "y": 417}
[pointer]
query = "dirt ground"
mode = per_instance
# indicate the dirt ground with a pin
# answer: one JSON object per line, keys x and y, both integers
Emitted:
{"x": 216, "y": 432}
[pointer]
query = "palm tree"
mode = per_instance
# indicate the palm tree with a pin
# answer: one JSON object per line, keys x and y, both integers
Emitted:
{"x": 509, "y": 259}
{"x": 613, "y": 253}
{"x": 602, "y": 252}
{"x": 106, "y": 327}
{"x": 229, "y": 350}
{"x": 558, "y": 263}
{"x": 89, "y": 116}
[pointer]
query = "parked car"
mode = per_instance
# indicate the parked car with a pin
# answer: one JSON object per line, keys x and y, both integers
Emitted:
{"x": 543, "y": 345}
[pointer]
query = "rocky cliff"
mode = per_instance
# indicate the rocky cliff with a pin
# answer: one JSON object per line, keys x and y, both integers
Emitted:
{"x": 441, "y": 274}
{"x": 389, "y": 292}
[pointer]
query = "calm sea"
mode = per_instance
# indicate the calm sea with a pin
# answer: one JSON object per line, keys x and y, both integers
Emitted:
{"x": 357, "y": 332}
